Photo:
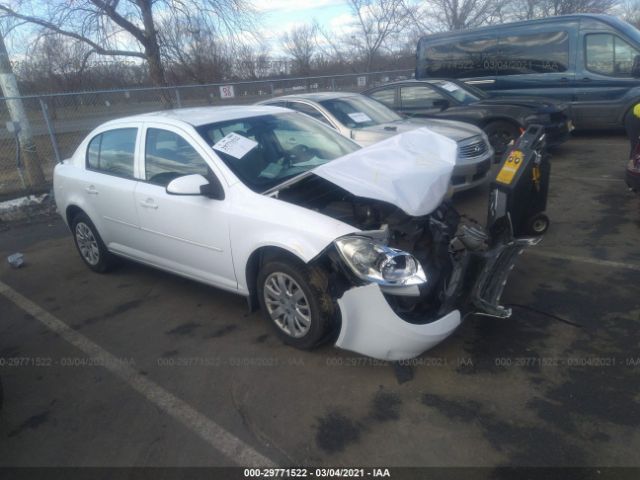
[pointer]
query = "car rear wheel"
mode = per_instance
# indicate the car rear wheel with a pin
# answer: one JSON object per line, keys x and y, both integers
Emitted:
{"x": 501, "y": 134}
{"x": 92, "y": 249}
{"x": 294, "y": 299}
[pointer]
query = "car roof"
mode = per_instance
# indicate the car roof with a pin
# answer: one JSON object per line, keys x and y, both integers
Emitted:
{"x": 413, "y": 80}
{"x": 315, "y": 96}
{"x": 203, "y": 115}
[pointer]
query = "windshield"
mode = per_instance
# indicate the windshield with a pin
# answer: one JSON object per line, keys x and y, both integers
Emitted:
{"x": 463, "y": 93}
{"x": 264, "y": 151}
{"x": 359, "y": 111}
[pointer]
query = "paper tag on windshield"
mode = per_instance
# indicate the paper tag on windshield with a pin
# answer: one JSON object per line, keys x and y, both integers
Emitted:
{"x": 359, "y": 117}
{"x": 235, "y": 145}
{"x": 449, "y": 87}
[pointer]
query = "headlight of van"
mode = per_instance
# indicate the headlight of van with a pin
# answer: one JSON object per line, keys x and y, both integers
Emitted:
{"x": 380, "y": 264}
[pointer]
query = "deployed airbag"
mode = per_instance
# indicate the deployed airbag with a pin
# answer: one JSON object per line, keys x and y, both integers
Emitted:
{"x": 411, "y": 170}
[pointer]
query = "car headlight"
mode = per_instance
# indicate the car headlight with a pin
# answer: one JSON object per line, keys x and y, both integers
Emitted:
{"x": 380, "y": 264}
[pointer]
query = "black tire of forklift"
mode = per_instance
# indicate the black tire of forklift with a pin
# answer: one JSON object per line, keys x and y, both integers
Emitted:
{"x": 538, "y": 224}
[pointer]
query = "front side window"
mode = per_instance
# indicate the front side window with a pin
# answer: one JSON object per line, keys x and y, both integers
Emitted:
{"x": 419, "y": 97}
{"x": 359, "y": 111}
{"x": 609, "y": 55}
{"x": 266, "y": 150}
{"x": 386, "y": 96}
{"x": 113, "y": 152}
{"x": 168, "y": 156}
{"x": 546, "y": 52}
{"x": 308, "y": 110}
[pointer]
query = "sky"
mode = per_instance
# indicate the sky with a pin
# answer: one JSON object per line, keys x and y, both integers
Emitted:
{"x": 279, "y": 16}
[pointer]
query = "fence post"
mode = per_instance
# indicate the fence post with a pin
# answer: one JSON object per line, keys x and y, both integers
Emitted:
{"x": 272, "y": 89}
{"x": 333, "y": 84}
{"x": 178, "y": 99}
{"x": 52, "y": 135}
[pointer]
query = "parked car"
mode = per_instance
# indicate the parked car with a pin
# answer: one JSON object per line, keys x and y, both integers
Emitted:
{"x": 502, "y": 119}
{"x": 272, "y": 205}
{"x": 584, "y": 60}
{"x": 367, "y": 121}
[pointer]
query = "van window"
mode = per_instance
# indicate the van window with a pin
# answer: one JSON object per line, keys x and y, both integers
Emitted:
{"x": 609, "y": 55}
{"x": 535, "y": 53}
{"x": 386, "y": 96}
{"x": 466, "y": 58}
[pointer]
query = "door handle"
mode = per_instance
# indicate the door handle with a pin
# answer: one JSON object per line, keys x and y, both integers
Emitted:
{"x": 91, "y": 190}
{"x": 149, "y": 204}
{"x": 586, "y": 79}
{"x": 564, "y": 79}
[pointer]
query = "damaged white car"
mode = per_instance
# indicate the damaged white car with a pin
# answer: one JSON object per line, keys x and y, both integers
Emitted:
{"x": 330, "y": 240}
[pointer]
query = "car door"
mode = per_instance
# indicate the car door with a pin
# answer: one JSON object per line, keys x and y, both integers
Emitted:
{"x": 108, "y": 185}
{"x": 187, "y": 234}
{"x": 603, "y": 79}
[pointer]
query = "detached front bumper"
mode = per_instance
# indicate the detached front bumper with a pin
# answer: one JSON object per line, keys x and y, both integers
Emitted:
{"x": 371, "y": 327}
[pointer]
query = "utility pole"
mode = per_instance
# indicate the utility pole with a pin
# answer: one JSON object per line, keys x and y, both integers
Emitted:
{"x": 9, "y": 85}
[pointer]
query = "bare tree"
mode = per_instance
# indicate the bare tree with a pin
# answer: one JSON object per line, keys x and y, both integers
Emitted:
{"x": 377, "y": 22}
{"x": 447, "y": 15}
{"x": 100, "y": 24}
{"x": 301, "y": 45}
{"x": 191, "y": 54}
{"x": 630, "y": 11}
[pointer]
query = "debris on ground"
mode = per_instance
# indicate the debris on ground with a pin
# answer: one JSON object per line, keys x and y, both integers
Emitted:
{"x": 16, "y": 260}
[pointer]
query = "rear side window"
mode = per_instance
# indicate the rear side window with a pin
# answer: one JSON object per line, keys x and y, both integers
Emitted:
{"x": 546, "y": 52}
{"x": 168, "y": 156}
{"x": 387, "y": 96}
{"x": 112, "y": 152}
{"x": 609, "y": 55}
{"x": 458, "y": 59}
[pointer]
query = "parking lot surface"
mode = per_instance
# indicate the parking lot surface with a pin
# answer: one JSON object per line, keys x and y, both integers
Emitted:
{"x": 142, "y": 368}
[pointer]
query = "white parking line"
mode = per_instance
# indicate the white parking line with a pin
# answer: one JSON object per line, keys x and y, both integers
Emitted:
{"x": 575, "y": 258}
{"x": 216, "y": 436}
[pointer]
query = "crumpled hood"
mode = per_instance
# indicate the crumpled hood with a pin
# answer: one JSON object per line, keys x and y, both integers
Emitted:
{"x": 449, "y": 128}
{"x": 411, "y": 170}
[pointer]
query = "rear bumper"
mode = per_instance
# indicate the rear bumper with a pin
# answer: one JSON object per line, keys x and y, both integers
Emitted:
{"x": 633, "y": 180}
{"x": 558, "y": 133}
{"x": 371, "y": 327}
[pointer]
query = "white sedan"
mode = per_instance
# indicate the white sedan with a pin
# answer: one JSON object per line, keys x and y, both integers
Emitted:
{"x": 330, "y": 240}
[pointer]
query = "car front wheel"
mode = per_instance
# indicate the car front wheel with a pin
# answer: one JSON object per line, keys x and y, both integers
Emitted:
{"x": 294, "y": 298}
{"x": 92, "y": 249}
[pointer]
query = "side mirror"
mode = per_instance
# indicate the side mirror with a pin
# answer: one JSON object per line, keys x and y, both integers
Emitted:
{"x": 635, "y": 68}
{"x": 196, "y": 185}
{"x": 442, "y": 104}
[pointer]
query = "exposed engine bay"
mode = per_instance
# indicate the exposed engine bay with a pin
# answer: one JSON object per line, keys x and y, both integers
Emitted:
{"x": 440, "y": 241}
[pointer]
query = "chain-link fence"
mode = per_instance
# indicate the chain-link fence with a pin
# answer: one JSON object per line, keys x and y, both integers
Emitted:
{"x": 59, "y": 122}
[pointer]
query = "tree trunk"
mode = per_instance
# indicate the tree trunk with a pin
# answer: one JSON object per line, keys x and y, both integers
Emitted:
{"x": 29, "y": 155}
{"x": 152, "y": 52}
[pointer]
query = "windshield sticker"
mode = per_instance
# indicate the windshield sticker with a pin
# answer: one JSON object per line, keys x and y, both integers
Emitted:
{"x": 235, "y": 145}
{"x": 449, "y": 87}
{"x": 359, "y": 117}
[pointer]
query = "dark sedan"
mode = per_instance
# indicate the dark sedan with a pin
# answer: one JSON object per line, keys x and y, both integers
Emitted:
{"x": 503, "y": 119}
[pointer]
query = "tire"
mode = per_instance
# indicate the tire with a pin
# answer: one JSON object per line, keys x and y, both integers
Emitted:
{"x": 500, "y": 133}
{"x": 538, "y": 224}
{"x": 90, "y": 246}
{"x": 307, "y": 308}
